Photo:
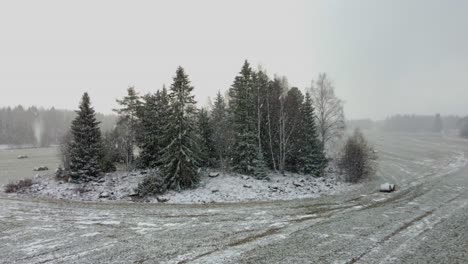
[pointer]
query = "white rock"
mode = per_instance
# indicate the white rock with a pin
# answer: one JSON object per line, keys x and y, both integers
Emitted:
{"x": 213, "y": 174}
{"x": 104, "y": 195}
{"x": 387, "y": 187}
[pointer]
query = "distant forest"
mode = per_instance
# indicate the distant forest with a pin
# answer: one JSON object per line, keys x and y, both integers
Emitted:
{"x": 40, "y": 127}
{"x": 421, "y": 123}
{"x": 410, "y": 123}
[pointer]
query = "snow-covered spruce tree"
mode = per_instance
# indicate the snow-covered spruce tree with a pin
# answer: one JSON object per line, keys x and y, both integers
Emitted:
{"x": 222, "y": 132}
{"x": 207, "y": 149}
{"x": 130, "y": 106}
{"x": 145, "y": 139}
{"x": 180, "y": 158}
{"x": 245, "y": 152}
{"x": 153, "y": 119}
{"x": 85, "y": 148}
{"x": 312, "y": 153}
{"x": 293, "y": 107}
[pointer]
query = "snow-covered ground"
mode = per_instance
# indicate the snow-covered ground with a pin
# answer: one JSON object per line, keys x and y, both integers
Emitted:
{"x": 239, "y": 188}
{"x": 223, "y": 188}
{"x": 423, "y": 221}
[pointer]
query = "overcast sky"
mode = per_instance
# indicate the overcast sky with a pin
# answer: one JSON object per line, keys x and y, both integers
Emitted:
{"x": 385, "y": 57}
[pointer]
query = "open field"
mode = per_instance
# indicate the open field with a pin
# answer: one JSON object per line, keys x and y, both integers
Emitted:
{"x": 424, "y": 221}
{"x": 13, "y": 169}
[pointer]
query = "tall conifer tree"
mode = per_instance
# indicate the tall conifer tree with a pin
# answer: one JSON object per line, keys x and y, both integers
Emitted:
{"x": 130, "y": 106}
{"x": 208, "y": 152}
{"x": 312, "y": 153}
{"x": 246, "y": 156}
{"x": 222, "y": 132}
{"x": 86, "y": 145}
{"x": 153, "y": 118}
{"x": 180, "y": 159}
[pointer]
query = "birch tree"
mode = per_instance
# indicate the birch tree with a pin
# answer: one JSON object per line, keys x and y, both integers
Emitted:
{"x": 329, "y": 109}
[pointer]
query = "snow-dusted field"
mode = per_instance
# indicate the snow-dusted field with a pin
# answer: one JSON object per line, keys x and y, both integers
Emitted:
{"x": 13, "y": 169}
{"x": 424, "y": 221}
{"x": 223, "y": 188}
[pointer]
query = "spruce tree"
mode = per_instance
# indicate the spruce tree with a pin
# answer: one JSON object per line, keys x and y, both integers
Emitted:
{"x": 180, "y": 159}
{"x": 246, "y": 153}
{"x": 207, "y": 150}
{"x": 85, "y": 148}
{"x": 312, "y": 154}
{"x": 153, "y": 119}
{"x": 222, "y": 130}
{"x": 129, "y": 112}
{"x": 146, "y": 140}
{"x": 293, "y": 107}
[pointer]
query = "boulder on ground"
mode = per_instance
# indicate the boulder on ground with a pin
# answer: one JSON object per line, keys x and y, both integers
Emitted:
{"x": 387, "y": 187}
{"x": 104, "y": 195}
{"x": 41, "y": 168}
{"x": 298, "y": 184}
{"x": 213, "y": 174}
{"x": 133, "y": 193}
{"x": 162, "y": 199}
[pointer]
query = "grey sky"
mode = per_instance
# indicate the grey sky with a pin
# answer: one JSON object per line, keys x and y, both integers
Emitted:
{"x": 384, "y": 57}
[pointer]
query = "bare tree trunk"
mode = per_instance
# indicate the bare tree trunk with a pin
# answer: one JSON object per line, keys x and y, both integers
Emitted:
{"x": 269, "y": 131}
{"x": 282, "y": 122}
{"x": 259, "y": 119}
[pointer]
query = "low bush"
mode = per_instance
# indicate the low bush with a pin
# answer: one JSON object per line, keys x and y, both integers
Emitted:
{"x": 62, "y": 175}
{"x": 18, "y": 186}
{"x": 464, "y": 129}
{"x": 356, "y": 158}
{"x": 152, "y": 184}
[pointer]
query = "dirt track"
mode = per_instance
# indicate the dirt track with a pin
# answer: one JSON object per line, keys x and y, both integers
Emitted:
{"x": 425, "y": 221}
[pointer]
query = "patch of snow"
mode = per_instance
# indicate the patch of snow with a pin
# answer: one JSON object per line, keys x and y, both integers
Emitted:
{"x": 90, "y": 234}
{"x": 225, "y": 188}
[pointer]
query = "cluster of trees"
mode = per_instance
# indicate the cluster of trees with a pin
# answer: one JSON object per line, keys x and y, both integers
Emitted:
{"x": 260, "y": 124}
{"x": 38, "y": 126}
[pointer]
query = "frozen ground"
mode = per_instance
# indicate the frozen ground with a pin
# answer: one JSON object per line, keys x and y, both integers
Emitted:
{"x": 424, "y": 221}
{"x": 223, "y": 188}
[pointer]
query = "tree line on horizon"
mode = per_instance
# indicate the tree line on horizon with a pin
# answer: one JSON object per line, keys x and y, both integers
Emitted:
{"x": 40, "y": 127}
{"x": 261, "y": 124}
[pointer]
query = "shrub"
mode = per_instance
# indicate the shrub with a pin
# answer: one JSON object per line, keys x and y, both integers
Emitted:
{"x": 110, "y": 152}
{"x": 18, "y": 186}
{"x": 152, "y": 184}
{"x": 64, "y": 150}
{"x": 62, "y": 175}
{"x": 355, "y": 160}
